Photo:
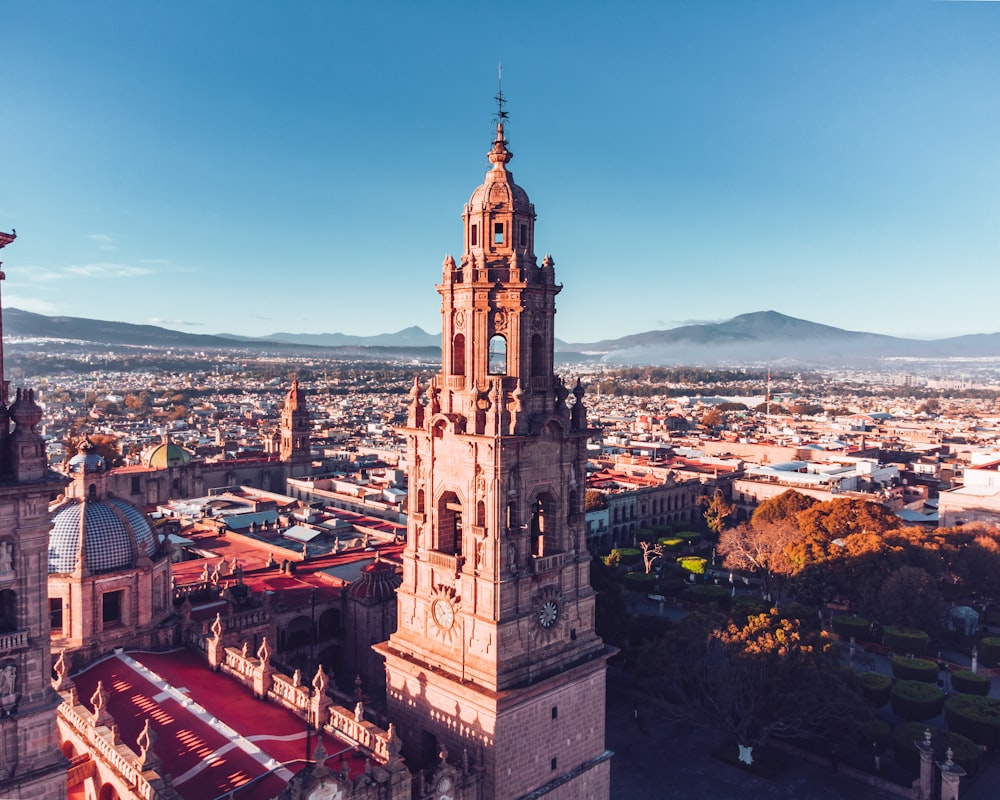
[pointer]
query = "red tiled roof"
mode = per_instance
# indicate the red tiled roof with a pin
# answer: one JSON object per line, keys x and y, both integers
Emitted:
{"x": 213, "y": 735}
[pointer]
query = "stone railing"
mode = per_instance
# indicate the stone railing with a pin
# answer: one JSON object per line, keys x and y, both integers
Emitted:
{"x": 284, "y": 692}
{"x": 13, "y": 640}
{"x": 236, "y": 662}
{"x": 118, "y": 757}
{"x": 445, "y": 561}
{"x": 455, "y": 381}
{"x": 246, "y": 619}
{"x": 543, "y": 563}
{"x": 368, "y": 737}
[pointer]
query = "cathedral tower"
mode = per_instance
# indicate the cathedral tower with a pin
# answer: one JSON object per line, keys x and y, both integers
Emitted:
{"x": 295, "y": 431}
{"x": 495, "y": 652}
{"x": 31, "y": 764}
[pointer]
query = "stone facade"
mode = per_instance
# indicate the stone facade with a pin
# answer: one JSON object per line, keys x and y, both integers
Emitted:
{"x": 32, "y": 767}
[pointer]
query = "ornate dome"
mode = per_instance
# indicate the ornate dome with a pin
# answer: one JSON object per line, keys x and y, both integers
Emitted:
{"x": 378, "y": 582}
{"x": 115, "y": 535}
{"x": 499, "y": 189}
{"x": 166, "y": 454}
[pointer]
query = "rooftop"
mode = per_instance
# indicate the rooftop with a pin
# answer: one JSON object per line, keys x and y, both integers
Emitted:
{"x": 213, "y": 735}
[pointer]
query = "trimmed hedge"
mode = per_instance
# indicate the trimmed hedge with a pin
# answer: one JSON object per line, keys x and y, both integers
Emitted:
{"x": 915, "y": 669}
{"x": 689, "y": 536}
{"x": 874, "y": 732}
{"x": 639, "y": 581}
{"x": 710, "y": 594}
{"x": 989, "y": 651}
{"x": 630, "y": 555}
{"x": 916, "y": 700}
{"x": 848, "y": 625}
{"x": 968, "y": 682}
{"x": 807, "y": 615}
{"x": 693, "y": 564}
{"x": 671, "y": 542}
{"x": 905, "y": 640}
{"x": 975, "y": 717}
{"x": 875, "y": 688}
{"x": 966, "y": 752}
{"x": 645, "y": 535}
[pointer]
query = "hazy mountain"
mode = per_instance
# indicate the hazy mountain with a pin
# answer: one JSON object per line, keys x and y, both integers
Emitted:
{"x": 413, "y": 336}
{"x": 763, "y": 336}
{"x": 770, "y": 336}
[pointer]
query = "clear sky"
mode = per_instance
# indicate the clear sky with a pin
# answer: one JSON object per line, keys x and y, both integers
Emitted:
{"x": 252, "y": 167}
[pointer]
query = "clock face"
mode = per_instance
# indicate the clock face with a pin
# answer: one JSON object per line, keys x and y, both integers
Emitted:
{"x": 443, "y": 613}
{"x": 548, "y": 614}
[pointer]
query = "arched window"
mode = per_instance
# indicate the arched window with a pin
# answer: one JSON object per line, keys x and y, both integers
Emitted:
{"x": 420, "y": 502}
{"x": 458, "y": 354}
{"x": 449, "y": 525}
{"x": 537, "y": 356}
{"x": 497, "y": 356}
{"x": 543, "y": 526}
{"x": 481, "y": 514}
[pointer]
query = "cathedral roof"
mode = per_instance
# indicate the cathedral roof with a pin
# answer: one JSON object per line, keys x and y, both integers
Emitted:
{"x": 114, "y": 534}
{"x": 499, "y": 188}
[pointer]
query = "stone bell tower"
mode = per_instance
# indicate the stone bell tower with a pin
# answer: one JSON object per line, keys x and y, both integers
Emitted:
{"x": 31, "y": 763}
{"x": 495, "y": 653}
{"x": 295, "y": 431}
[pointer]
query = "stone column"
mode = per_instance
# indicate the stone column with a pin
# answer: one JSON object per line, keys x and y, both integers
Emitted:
{"x": 951, "y": 774}
{"x": 216, "y": 652}
{"x": 924, "y": 784}
{"x": 263, "y": 675}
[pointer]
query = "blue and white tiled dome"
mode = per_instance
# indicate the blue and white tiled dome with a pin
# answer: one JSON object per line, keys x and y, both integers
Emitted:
{"x": 115, "y": 534}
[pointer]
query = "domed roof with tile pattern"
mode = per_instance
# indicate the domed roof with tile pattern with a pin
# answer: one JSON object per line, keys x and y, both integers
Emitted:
{"x": 166, "y": 454}
{"x": 115, "y": 534}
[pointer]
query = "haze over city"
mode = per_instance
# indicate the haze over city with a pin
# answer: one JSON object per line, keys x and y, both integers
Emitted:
{"x": 250, "y": 168}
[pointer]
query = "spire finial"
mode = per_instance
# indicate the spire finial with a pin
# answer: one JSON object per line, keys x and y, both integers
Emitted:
{"x": 500, "y": 155}
{"x": 501, "y": 100}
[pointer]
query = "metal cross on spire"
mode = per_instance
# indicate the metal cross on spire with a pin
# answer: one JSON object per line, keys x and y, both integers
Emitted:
{"x": 501, "y": 114}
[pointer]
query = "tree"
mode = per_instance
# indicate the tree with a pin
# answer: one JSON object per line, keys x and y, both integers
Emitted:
{"x": 910, "y": 597}
{"x": 784, "y": 507}
{"x": 760, "y": 548}
{"x": 595, "y": 500}
{"x": 713, "y": 418}
{"x": 769, "y": 677}
{"x": 104, "y": 444}
{"x": 651, "y": 553}
{"x": 717, "y": 511}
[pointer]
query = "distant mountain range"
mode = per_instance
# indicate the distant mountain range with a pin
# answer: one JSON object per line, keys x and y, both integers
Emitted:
{"x": 767, "y": 336}
{"x": 763, "y": 336}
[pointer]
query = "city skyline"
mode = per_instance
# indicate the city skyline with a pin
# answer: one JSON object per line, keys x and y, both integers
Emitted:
{"x": 175, "y": 165}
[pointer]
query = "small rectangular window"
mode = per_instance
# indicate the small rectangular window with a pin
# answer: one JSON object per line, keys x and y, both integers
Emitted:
{"x": 523, "y": 240}
{"x": 56, "y": 615}
{"x": 555, "y": 712}
{"x": 111, "y": 607}
{"x": 474, "y": 235}
{"x": 553, "y": 765}
{"x": 497, "y": 233}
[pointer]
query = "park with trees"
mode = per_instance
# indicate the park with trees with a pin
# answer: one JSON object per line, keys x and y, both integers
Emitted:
{"x": 830, "y": 627}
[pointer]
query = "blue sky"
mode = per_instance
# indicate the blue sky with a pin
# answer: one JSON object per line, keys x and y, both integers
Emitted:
{"x": 252, "y": 167}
